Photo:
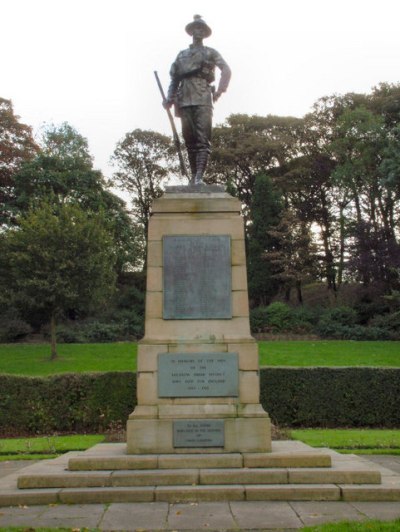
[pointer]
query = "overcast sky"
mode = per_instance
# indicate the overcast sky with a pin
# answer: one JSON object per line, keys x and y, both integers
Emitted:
{"x": 91, "y": 62}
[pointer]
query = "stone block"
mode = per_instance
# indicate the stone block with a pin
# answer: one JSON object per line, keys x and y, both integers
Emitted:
{"x": 196, "y": 224}
{"x": 64, "y": 480}
{"x": 238, "y": 253}
{"x": 239, "y": 278}
{"x": 325, "y": 492}
{"x": 110, "y": 463}
{"x": 251, "y": 410}
{"x": 243, "y": 476}
{"x": 240, "y": 303}
{"x": 106, "y": 495}
{"x": 154, "y": 304}
{"x": 310, "y": 476}
{"x": 197, "y": 411}
{"x": 147, "y": 358}
{"x": 248, "y": 355}
{"x": 199, "y": 493}
{"x": 187, "y": 204}
{"x": 156, "y": 477}
{"x": 182, "y": 460}
{"x": 154, "y": 253}
{"x": 201, "y": 330}
{"x": 22, "y": 498}
{"x": 149, "y": 436}
{"x": 289, "y": 459}
{"x": 154, "y": 281}
{"x": 144, "y": 412}
{"x": 146, "y": 387}
{"x": 198, "y": 348}
{"x": 248, "y": 435}
{"x": 249, "y": 387}
{"x": 370, "y": 493}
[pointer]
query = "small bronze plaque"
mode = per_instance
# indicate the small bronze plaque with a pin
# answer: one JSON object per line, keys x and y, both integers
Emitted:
{"x": 197, "y": 277}
{"x": 199, "y": 433}
{"x": 198, "y": 375}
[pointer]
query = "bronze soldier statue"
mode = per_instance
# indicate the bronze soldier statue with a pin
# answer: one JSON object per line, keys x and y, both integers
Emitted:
{"x": 192, "y": 93}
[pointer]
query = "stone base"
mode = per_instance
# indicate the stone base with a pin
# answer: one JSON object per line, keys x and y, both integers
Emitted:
{"x": 152, "y": 436}
{"x": 292, "y": 471}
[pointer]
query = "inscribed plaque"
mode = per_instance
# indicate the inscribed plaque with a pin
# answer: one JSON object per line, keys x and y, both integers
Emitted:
{"x": 198, "y": 375}
{"x": 199, "y": 433}
{"x": 197, "y": 277}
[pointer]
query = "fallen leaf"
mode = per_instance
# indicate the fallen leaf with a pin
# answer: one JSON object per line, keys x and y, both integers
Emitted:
{"x": 178, "y": 513}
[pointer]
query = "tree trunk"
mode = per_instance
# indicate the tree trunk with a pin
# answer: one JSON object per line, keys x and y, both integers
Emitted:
{"x": 299, "y": 292}
{"x": 53, "y": 355}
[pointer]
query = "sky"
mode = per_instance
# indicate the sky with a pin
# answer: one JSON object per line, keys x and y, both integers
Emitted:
{"x": 90, "y": 62}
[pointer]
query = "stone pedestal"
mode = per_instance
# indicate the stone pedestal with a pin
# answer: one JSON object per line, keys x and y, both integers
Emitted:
{"x": 197, "y": 373}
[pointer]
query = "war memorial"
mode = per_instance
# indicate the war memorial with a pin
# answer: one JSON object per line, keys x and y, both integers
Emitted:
{"x": 198, "y": 431}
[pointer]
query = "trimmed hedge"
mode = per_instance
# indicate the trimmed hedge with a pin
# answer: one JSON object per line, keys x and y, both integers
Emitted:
{"x": 71, "y": 402}
{"x": 309, "y": 397}
{"x": 332, "y": 397}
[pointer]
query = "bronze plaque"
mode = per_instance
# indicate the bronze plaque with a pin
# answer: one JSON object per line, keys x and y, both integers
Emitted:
{"x": 199, "y": 433}
{"x": 197, "y": 280}
{"x": 198, "y": 375}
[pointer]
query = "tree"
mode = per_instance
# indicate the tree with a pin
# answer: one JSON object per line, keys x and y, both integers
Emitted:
{"x": 62, "y": 172}
{"x": 58, "y": 258}
{"x": 16, "y": 146}
{"x": 145, "y": 160}
{"x": 247, "y": 146}
{"x": 265, "y": 215}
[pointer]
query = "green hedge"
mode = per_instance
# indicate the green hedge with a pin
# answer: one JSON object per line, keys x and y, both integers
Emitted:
{"x": 309, "y": 397}
{"x": 332, "y": 397}
{"x": 71, "y": 402}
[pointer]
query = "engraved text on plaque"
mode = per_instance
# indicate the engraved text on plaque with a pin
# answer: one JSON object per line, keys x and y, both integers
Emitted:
{"x": 197, "y": 277}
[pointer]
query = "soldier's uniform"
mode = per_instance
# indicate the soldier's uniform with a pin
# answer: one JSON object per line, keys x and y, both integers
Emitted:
{"x": 192, "y": 93}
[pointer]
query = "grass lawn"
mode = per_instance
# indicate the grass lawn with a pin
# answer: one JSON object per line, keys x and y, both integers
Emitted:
{"x": 329, "y": 353}
{"x": 46, "y": 446}
{"x": 358, "y": 441}
{"x": 352, "y": 526}
{"x": 34, "y": 359}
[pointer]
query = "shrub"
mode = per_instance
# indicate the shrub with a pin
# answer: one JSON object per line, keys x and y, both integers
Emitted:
{"x": 12, "y": 329}
{"x": 84, "y": 402}
{"x": 332, "y": 397}
{"x": 309, "y": 397}
{"x": 258, "y": 319}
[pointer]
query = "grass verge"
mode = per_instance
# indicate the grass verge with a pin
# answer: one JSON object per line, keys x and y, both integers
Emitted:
{"x": 329, "y": 353}
{"x": 45, "y": 447}
{"x": 352, "y": 526}
{"x": 357, "y": 441}
{"x": 34, "y": 359}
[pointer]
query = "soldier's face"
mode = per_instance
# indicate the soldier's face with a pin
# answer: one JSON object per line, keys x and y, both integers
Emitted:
{"x": 198, "y": 32}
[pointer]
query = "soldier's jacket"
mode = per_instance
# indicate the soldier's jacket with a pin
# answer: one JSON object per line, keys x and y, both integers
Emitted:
{"x": 192, "y": 74}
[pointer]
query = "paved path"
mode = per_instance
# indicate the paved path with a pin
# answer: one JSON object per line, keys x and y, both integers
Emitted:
{"x": 221, "y": 516}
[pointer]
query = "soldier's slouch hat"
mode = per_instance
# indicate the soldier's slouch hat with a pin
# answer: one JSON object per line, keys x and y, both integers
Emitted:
{"x": 197, "y": 20}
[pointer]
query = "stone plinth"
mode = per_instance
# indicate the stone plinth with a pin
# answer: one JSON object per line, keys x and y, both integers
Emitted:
{"x": 197, "y": 321}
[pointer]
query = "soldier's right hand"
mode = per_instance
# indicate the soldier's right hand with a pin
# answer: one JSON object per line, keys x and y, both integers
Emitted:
{"x": 167, "y": 104}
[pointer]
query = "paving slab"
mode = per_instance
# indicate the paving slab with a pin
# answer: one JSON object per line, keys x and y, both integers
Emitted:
{"x": 201, "y": 516}
{"x": 262, "y": 515}
{"x": 391, "y": 462}
{"x": 11, "y": 466}
{"x": 315, "y": 513}
{"x": 135, "y": 516}
{"x": 385, "y": 511}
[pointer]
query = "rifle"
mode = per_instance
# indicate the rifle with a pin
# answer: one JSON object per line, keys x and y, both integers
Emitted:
{"x": 174, "y": 131}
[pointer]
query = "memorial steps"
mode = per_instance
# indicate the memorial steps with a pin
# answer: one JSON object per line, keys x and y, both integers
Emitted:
{"x": 292, "y": 471}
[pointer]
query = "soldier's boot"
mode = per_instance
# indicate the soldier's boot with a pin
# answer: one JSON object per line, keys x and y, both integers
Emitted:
{"x": 192, "y": 155}
{"x": 201, "y": 164}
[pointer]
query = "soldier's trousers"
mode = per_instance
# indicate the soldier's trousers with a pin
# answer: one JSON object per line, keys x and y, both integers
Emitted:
{"x": 196, "y": 127}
